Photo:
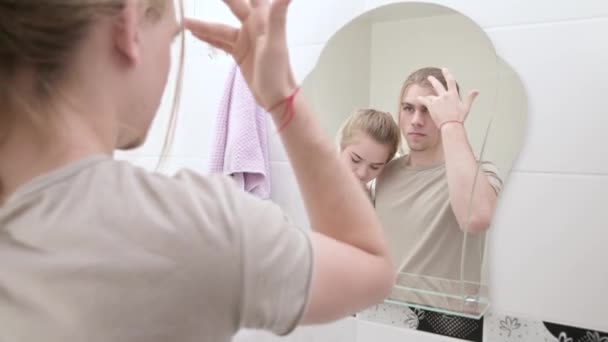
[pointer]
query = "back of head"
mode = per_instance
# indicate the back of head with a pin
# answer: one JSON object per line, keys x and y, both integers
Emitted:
{"x": 380, "y": 126}
{"x": 37, "y": 40}
{"x": 54, "y": 62}
{"x": 40, "y": 43}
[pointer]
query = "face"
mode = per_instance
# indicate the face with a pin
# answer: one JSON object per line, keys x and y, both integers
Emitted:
{"x": 415, "y": 122}
{"x": 365, "y": 156}
{"x": 150, "y": 74}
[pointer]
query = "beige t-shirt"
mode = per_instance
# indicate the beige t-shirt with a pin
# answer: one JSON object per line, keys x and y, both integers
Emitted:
{"x": 104, "y": 251}
{"x": 421, "y": 229}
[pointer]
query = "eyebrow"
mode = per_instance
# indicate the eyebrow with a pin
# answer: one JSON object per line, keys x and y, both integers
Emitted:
{"x": 404, "y": 103}
{"x": 375, "y": 164}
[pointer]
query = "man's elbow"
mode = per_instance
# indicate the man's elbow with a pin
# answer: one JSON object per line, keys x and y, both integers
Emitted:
{"x": 479, "y": 223}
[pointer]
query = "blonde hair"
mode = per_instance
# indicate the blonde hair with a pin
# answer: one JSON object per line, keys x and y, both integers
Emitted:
{"x": 43, "y": 35}
{"x": 378, "y": 125}
{"x": 420, "y": 78}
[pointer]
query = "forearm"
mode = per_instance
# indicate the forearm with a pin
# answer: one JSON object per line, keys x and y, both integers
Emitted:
{"x": 336, "y": 204}
{"x": 461, "y": 168}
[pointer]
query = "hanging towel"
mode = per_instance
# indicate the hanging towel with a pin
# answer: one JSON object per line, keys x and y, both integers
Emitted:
{"x": 240, "y": 147}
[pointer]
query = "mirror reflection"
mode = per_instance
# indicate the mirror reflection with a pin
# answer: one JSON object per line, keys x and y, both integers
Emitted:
{"x": 430, "y": 121}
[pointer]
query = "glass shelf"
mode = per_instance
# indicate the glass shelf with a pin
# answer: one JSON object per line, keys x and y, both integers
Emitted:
{"x": 452, "y": 297}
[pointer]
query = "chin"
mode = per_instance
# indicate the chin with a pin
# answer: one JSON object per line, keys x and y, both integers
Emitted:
{"x": 417, "y": 148}
{"x": 131, "y": 144}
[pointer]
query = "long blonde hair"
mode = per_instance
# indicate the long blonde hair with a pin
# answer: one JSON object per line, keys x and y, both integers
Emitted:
{"x": 43, "y": 35}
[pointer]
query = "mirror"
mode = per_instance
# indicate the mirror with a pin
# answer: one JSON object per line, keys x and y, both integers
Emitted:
{"x": 435, "y": 232}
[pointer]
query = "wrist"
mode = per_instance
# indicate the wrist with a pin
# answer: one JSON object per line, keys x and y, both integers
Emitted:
{"x": 279, "y": 104}
{"x": 279, "y": 100}
{"x": 450, "y": 125}
{"x": 451, "y": 132}
{"x": 284, "y": 110}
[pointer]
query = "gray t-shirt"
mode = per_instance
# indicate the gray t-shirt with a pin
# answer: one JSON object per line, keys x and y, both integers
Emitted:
{"x": 101, "y": 250}
{"x": 424, "y": 237}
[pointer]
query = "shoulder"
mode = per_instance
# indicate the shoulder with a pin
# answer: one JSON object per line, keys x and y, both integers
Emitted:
{"x": 396, "y": 164}
{"x": 392, "y": 168}
{"x": 186, "y": 198}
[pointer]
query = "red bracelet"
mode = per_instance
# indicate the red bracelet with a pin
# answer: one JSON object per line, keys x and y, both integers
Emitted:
{"x": 450, "y": 121}
{"x": 289, "y": 110}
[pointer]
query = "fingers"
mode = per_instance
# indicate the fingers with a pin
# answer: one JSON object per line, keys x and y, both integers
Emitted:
{"x": 240, "y": 8}
{"x": 229, "y": 49}
{"x": 439, "y": 89}
{"x": 470, "y": 99}
{"x": 219, "y": 35}
{"x": 451, "y": 82}
{"x": 207, "y": 32}
{"x": 426, "y": 100}
{"x": 278, "y": 19}
{"x": 258, "y": 3}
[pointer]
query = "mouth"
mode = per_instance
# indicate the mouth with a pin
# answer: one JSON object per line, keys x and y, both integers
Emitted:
{"x": 415, "y": 134}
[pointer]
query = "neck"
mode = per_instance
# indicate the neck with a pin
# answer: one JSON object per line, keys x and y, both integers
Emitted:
{"x": 429, "y": 157}
{"x": 33, "y": 150}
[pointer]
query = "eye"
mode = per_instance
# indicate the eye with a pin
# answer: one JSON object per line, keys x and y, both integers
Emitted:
{"x": 408, "y": 109}
{"x": 355, "y": 160}
{"x": 375, "y": 168}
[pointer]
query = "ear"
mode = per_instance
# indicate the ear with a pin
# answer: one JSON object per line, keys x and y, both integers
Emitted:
{"x": 125, "y": 33}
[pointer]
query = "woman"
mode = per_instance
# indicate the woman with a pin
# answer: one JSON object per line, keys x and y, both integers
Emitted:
{"x": 94, "y": 249}
{"x": 368, "y": 140}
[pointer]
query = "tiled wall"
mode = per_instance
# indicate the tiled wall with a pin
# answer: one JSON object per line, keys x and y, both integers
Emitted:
{"x": 548, "y": 253}
{"x": 494, "y": 327}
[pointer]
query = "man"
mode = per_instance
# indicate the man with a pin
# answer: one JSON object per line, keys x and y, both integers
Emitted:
{"x": 424, "y": 198}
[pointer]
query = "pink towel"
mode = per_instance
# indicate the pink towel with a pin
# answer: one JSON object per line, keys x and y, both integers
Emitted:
{"x": 240, "y": 148}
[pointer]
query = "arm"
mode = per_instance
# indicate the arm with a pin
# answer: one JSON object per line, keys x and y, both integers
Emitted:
{"x": 449, "y": 113}
{"x": 352, "y": 268}
{"x": 461, "y": 168}
{"x": 346, "y": 228}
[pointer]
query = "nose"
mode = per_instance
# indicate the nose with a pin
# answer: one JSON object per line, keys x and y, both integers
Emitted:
{"x": 361, "y": 173}
{"x": 417, "y": 119}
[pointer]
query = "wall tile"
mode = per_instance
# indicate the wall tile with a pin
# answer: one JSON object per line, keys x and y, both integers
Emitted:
{"x": 548, "y": 249}
{"x": 339, "y": 331}
{"x": 374, "y": 332}
{"x": 498, "y": 327}
{"x": 285, "y": 193}
{"x": 314, "y": 21}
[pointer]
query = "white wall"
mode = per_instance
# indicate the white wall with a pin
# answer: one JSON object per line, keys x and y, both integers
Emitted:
{"x": 549, "y": 250}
